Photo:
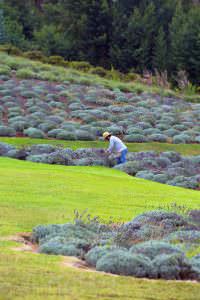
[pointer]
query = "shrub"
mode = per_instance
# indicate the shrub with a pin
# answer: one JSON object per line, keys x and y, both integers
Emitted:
{"x": 135, "y": 138}
{"x": 80, "y": 65}
{"x": 84, "y": 135}
{"x": 71, "y": 250}
{"x": 172, "y": 156}
{"x": 158, "y": 138}
{"x": 5, "y": 70}
{"x": 163, "y": 162}
{"x": 153, "y": 249}
{"x": 183, "y": 236}
{"x": 130, "y": 167}
{"x": 182, "y": 181}
{"x": 66, "y": 135}
{"x": 98, "y": 71}
{"x": 194, "y": 215}
{"x": 25, "y": 73}
{"x": 5, "y": 148}
{"x": 51, "y": 247}
{"x": 181, "y": 139}
{"x": 47, "y": 126}
{"x": 56, "y": 60}
{"x": 35, "y": 55}
{"x": 172, "y": 266}
{"x": 34, "y": 133}
{"x": 39, "y": 158}
{"x": 60, "y": 157}
{"x": 18, "y": 154}
{"x": 197, "y": 139}
{"x": 53, "y": 133}
{"x": 169, "y": 220}
{"x": 20, "y": 125}
{"x": 162, "y": 178}
{"x": 41, "y": 149}
{"x": 151, "y": 131}
{"x": 171, "y": 132}
{"x": 115, "y": 129}
{"x": 195, "y": 263}
{"x": 96, "y": 253}
{"x": 145, "y": 175}
{"x": 123, "y": 263}
{"x": 7, "y": 131}
{"x": 12, "y": 50}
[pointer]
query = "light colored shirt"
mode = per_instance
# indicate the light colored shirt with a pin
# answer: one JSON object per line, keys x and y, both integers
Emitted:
{"x": 116, "y": 145}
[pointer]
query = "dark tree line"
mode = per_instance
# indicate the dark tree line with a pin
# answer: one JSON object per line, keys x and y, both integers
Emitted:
{"x": 129, "y": 35}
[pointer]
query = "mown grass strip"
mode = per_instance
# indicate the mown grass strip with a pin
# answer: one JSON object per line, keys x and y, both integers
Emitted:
{"x": 185, "y": 149}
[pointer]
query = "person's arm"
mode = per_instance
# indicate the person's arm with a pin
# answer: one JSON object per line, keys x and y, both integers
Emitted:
{"x": 111, "y": 146}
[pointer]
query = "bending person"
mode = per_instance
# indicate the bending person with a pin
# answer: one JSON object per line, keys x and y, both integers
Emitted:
{"x": 116, "y": 146}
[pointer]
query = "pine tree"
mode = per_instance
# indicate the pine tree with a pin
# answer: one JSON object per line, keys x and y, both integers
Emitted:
{"x": 147, "y": 38}
{"x": 160, "y": 51}
{"x": 176, "y": 39}
{"x": 2, "y": 28}
{"x": 96, "y": 34}
{"x": 191, "y": 45}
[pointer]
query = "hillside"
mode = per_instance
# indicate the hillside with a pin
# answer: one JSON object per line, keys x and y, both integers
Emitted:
{"x": 46, "y": 101}
{"x": 46, "y": 194}
{"x": 45, "y": 109}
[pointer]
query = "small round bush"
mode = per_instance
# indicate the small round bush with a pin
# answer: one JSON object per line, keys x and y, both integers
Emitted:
{"x": 135, "y": 138}
{"x": 66, "y": 135}
{"x": 47, "y": 126}
{"x": 124, "y": 263}
{"x": 182, "y": 139}
{"x": 145, "y": 175}
{"x": 41, "y": 149}
{"x": 20, "y": 125}
{"x": 185, "y": 236}
{"x": 197, "y": 139}
{"x": 115, "y": 129}
{"x": 151, "y": 131}
{"x": 153, "y": 248}
{"x": 5, "y": 148}
{"x": 162, "y": 138}
{"x": 171, "y": 132}
{"x": 96, "y": 253}
{"x": 162, "y": 178}
{"x": 34, "y": 133}
{"x": 130, "y": 167}
{"x": 60, "y": 157}
{"x": 71, "y": 250}
{"x": 7, "y": 131}
{"x": 84, "y": 135}
{"x": 163, "y": 162}
{"x": 134, "y": 131}
{"x": 172, "y": 266}
{"x": 40, "y": 158}
{"x": 172, "y": 156}
{"x": 54, "y": 132}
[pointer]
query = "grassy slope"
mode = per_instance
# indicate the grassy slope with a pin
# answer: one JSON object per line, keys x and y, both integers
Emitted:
{"x": 36, "y": 69}
{"x": 34, "y": 193}
{"x": 185, "y": 149}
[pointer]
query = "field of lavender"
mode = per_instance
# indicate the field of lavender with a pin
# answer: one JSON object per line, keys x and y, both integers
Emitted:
{"x": 72, "y": 111}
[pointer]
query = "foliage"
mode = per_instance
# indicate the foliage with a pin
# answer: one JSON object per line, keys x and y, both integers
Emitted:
{"x": 34, "y": 133}
{"x": 152, "y": 249}
{"x": 128, "y": 36}
{"x": 173, "y": 266}
{"x": 7, "y": 131}
{"x": 123, "y": 263}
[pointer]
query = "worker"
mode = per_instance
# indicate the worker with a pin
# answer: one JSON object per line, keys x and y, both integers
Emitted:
{"x": 116, "y": 146}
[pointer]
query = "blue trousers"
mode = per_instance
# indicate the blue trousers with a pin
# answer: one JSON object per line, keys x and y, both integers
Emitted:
{"x": 122, "y": 158}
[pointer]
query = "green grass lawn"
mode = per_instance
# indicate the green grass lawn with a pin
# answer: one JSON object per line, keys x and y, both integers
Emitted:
{"x": 185, "y": 149}
{"x": 32, "y": 194}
